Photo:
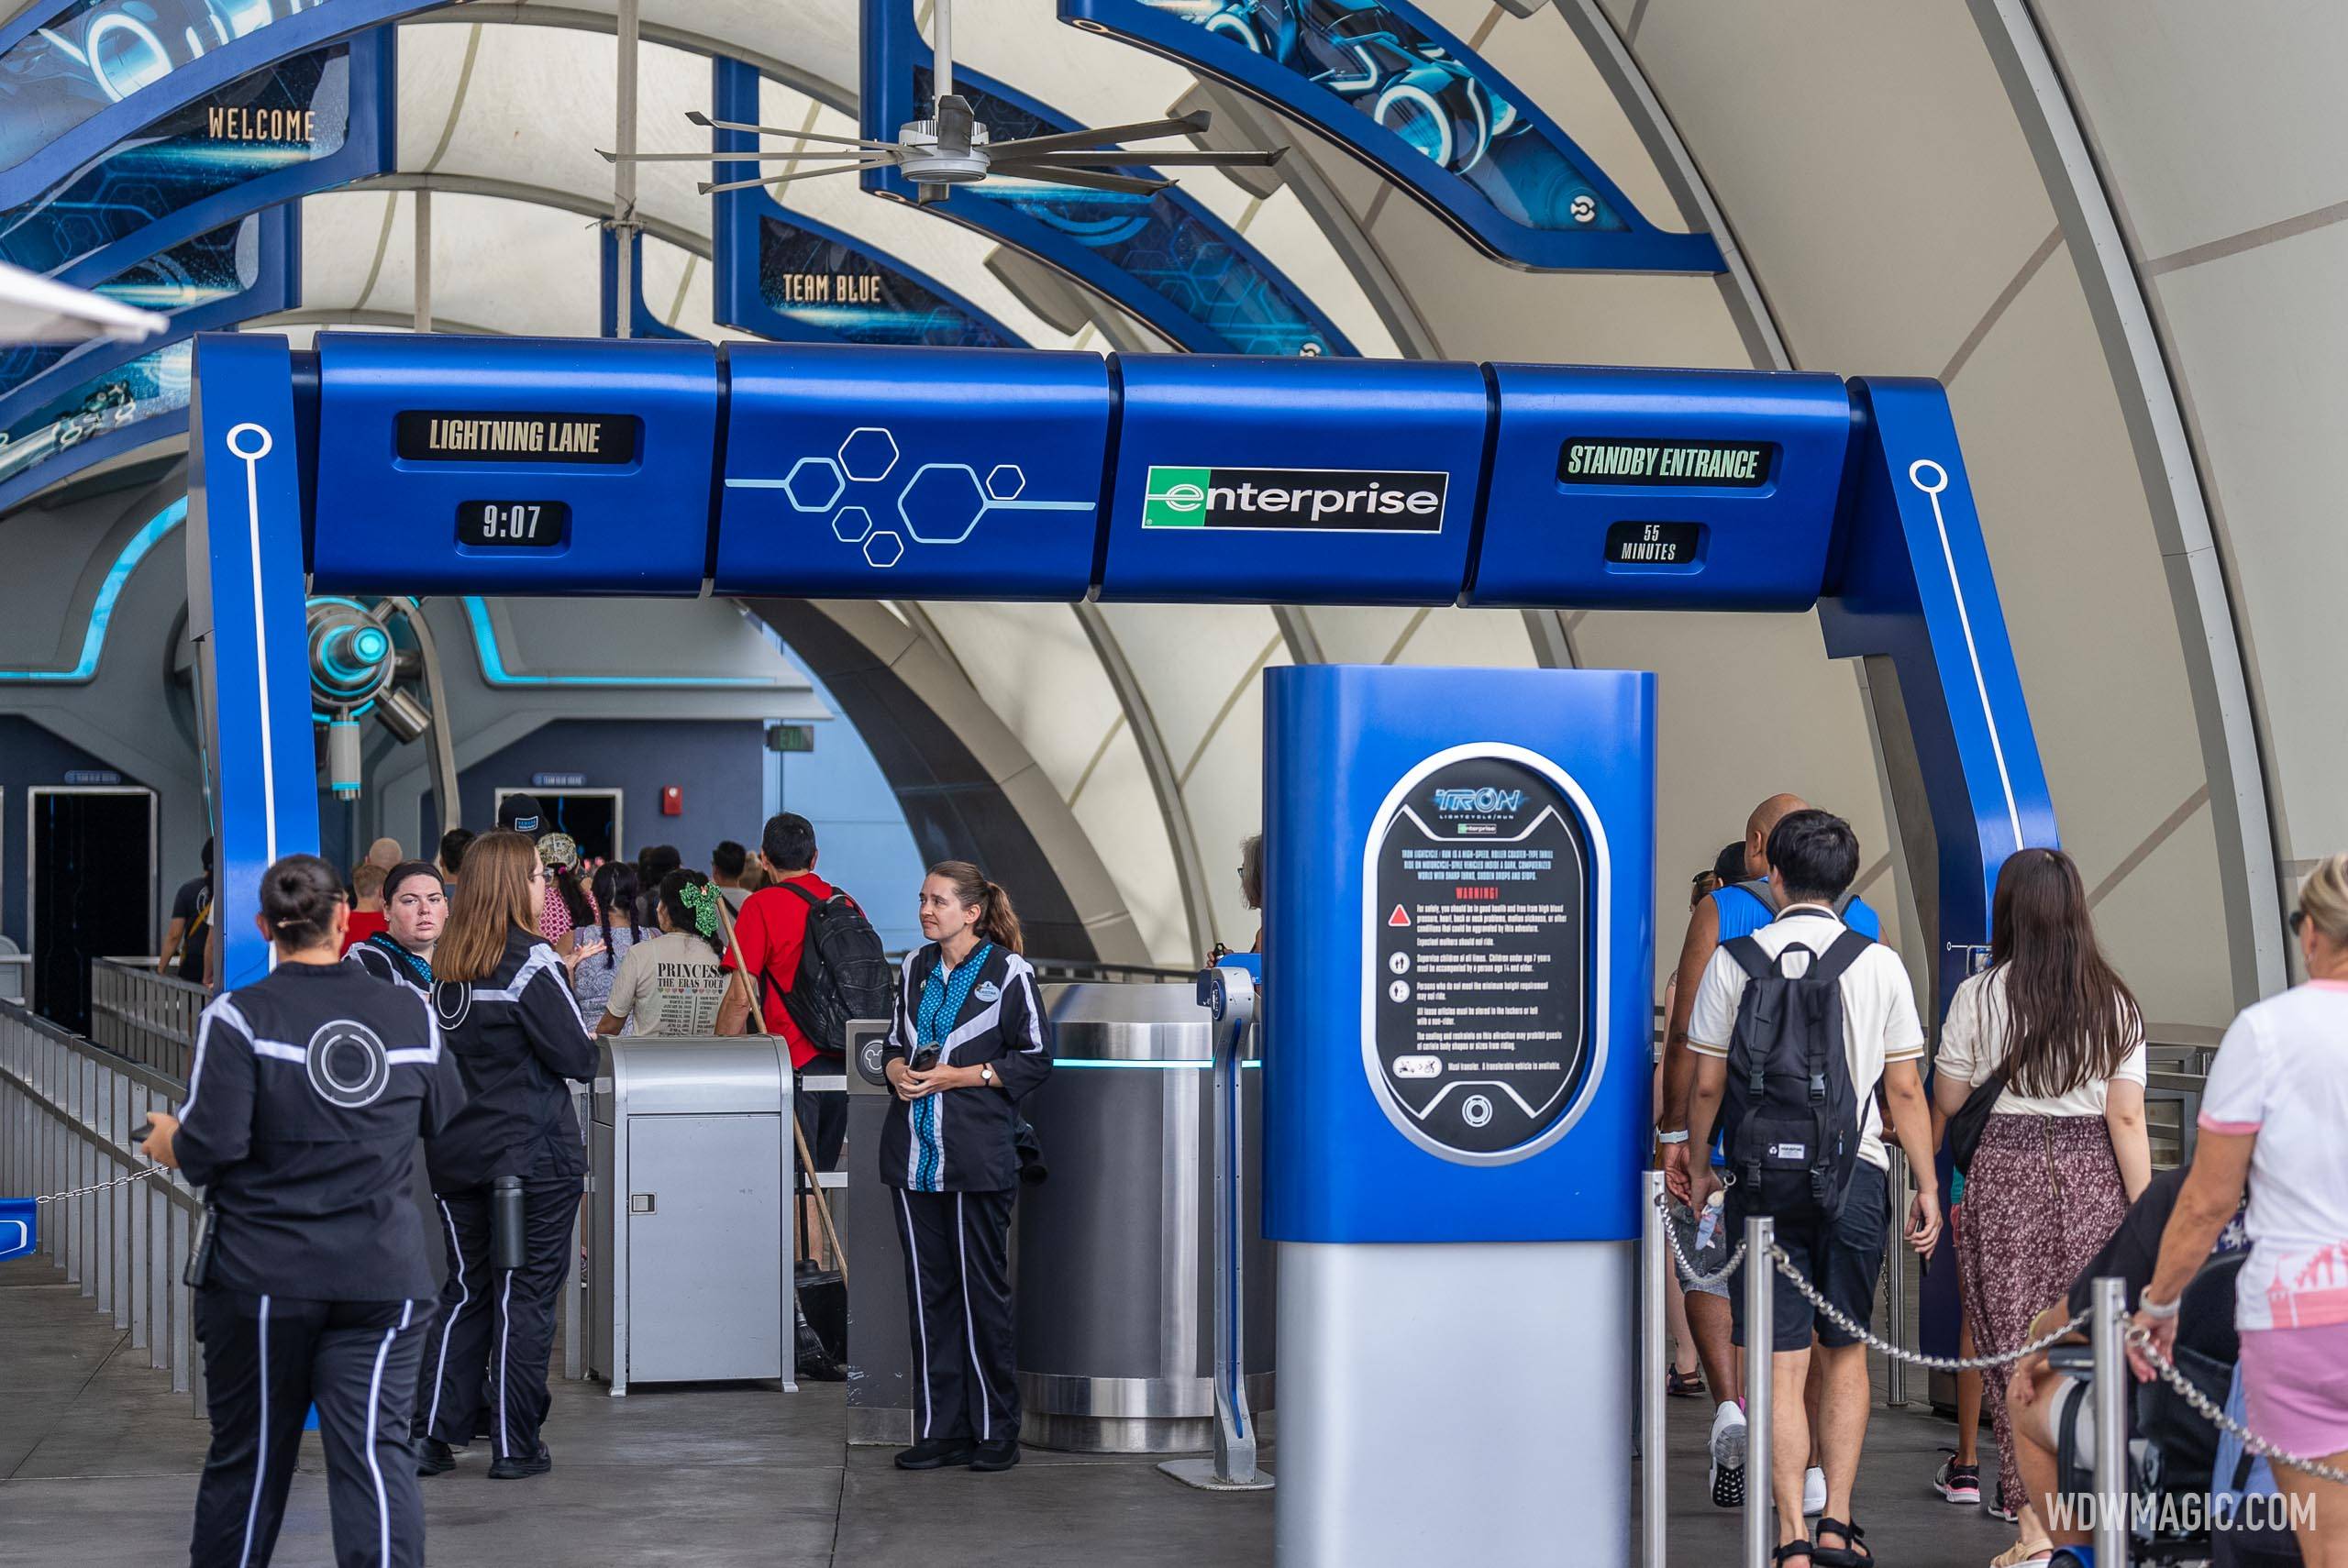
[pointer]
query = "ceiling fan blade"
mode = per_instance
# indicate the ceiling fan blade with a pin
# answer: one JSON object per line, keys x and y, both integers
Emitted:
{"x": 1197, "y": 120}
{"x": 730, "y": 157}
{"x": 697, "y": 117}
{"x": 709, "y": 190}
{"x": 1254, "y": 158}
{"x": 1090, "y": 179}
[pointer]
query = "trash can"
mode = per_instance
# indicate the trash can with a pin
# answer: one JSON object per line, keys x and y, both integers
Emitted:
{"x": 690, "y": 1227}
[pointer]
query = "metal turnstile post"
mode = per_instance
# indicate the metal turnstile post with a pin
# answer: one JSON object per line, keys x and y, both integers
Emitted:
{"x": 1229, "y": 993}
{"x": 2114, "y": 1384}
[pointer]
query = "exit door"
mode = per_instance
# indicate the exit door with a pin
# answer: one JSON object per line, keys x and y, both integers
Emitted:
{"x": 90, "y": 889}
{"x": 592, "y": 817}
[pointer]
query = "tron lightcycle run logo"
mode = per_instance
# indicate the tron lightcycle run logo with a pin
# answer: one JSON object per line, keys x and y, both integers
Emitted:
{"x": 1485, "y": 801}
{"x": 1326, "y": 500}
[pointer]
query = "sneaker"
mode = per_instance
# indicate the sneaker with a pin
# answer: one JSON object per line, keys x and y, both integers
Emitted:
{"x": 1997, "y": 1509}
{"x": 434, "y": 1457}
{"x": 1000, "y": 1455}
{"x": 507, "y": 1468}
{"x": 1813, "y": 1490}
{"x": 1959, "y": 1484}
{"x": 935, "y": 1453}
{"x": 1728, "y": 1444}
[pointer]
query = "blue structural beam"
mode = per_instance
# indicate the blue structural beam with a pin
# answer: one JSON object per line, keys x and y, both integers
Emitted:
{"x": 1173, "y": 265}
{"x": 79, "y": 76}
{"x": 1386, "y": 82}
{"x": 247, "y": 618}
{"x": 317, "y": 120}
{"x": 511, "y": 466}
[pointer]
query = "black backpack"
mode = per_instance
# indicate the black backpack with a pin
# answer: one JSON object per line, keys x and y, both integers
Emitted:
{"x": 1792, "y": 1115}
{"x": 844, "y": 973}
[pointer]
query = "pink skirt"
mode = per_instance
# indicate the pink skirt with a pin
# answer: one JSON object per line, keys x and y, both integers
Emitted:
{"x": 2294, "y": 1382}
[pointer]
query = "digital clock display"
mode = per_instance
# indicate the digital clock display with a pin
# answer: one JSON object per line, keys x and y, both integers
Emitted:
{"x": 513, "y": 524}
{"x": 1654, "y": 544}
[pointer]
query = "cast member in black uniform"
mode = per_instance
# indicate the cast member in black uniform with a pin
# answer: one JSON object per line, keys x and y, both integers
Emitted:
{"x": 970, "y": 1039}
{"x": 502, "y": 998}
{"x": 306, "y": 1097}
{"x": 415, "y": 906}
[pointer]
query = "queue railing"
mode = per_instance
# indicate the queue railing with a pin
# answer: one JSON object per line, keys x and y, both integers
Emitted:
{"x": 110, "y": 1220}
{"x": 148, "y": 1017}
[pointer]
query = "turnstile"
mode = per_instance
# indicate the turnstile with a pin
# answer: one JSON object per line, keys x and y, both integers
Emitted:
{"x": 689, "y": 1234}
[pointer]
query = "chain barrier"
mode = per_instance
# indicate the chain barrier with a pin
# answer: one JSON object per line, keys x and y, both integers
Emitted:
{"x": 1689, "y": 1275}
{"x": 1843, "y": 1320}
{"x": 2140, "y": 1342}
{"x": 100, "y": 1187}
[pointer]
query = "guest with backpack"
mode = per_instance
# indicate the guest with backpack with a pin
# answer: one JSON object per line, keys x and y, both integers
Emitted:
{"x": 1793, "y": 1028}
{"x": 820, "y": 964}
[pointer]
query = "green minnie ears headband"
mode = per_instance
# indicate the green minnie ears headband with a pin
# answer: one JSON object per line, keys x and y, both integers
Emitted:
{"x": 701, "y": 898}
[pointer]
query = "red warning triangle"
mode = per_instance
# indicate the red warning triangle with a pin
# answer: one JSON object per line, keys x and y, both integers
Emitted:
{"x": 1400, "y": 917}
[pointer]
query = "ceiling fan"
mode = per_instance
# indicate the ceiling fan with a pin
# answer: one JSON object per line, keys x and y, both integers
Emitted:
{"x": 952, "y": 146}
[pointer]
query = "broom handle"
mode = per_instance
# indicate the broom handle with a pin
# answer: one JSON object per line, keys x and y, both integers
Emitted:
{"x": 798, "y": 1133}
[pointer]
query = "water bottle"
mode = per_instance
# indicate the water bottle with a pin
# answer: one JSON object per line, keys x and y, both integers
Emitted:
{"x": 506, "y": 1251}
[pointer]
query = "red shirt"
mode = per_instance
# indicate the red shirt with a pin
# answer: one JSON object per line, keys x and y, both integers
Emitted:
{"x": 364, "y": 923}
{"x": 772, "y": 929}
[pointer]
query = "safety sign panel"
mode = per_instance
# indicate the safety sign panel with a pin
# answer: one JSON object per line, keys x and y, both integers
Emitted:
{"x": 1477, "y": 900}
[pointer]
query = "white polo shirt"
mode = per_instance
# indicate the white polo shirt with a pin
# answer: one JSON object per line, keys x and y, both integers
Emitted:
{"x": 1879, "y": 1023}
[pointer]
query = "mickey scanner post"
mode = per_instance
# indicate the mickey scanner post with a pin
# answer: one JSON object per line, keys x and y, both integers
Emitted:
{"x": 430, "y": 464}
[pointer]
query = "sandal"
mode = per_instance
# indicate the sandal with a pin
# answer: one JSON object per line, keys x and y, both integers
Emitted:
{"x": 1852, "y": 1554}
{"x": 1792, "y": 1549}
{"x": 2023, "y": 1552}
{"x": 1681, "y": 1385}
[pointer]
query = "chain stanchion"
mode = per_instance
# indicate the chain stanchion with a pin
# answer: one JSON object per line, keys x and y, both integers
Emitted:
{"x": 1760, "y": 1336}
{"x": 1655, "y": 1258}
{"x": 2108, "y": 1305}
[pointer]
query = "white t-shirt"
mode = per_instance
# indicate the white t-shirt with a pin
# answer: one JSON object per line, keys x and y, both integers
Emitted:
{"x": 670, "y": 985}
{"x": 1976, "y": 1038}
{"x": 1879, "y": 1023}
{"x": 2282, "y": 1074}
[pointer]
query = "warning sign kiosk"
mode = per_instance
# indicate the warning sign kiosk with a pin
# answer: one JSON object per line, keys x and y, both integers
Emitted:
{"x": 1458, "y": 975}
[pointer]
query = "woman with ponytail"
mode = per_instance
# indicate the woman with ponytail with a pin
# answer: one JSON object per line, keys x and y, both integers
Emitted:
{"x": 671, "y": 984}
{"x": 969, "y": 1039}
{"x": 307, "y": 1093}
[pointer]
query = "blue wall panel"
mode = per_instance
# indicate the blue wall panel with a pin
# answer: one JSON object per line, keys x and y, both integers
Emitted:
{"x": 1390, "y": 86}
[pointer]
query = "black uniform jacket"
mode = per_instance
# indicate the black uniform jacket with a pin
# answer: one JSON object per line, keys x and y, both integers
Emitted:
{"x": 516, "y": 1036}
{"x": 1001, "y": 1022}
{"x": 305, "y": 1100}
{"x": 376, "y": 956}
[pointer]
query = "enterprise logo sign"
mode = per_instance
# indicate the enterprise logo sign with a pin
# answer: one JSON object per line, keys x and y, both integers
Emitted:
{"x": 1326, "y": 500}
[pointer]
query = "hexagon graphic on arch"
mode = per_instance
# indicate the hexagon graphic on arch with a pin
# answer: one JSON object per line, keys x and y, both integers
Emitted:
{"x": 942, "y": 502}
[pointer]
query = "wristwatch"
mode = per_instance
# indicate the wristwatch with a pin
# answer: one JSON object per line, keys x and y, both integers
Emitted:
{"x": 986, "y": 1073}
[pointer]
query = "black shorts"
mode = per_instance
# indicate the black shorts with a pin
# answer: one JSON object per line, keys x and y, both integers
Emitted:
{"x": 1842, "y": 1261}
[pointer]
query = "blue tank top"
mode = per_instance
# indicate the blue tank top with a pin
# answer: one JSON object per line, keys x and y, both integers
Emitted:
{"x": 1741, "y": 913}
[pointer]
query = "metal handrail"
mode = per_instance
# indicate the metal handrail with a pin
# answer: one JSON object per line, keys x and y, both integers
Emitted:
{"x": 67, "y": 1110}
{"x": 148, "y": 1017}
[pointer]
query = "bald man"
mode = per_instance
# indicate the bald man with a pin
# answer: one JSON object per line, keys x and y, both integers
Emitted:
{"x": 385, "y": 853}
{"x": 1722, "y": 915}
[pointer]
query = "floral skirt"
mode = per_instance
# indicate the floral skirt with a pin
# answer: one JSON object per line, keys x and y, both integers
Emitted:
{"x": 2042, "y": 1199}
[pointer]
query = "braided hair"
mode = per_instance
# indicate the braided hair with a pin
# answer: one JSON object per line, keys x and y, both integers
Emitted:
{"x": 616, "y": 886}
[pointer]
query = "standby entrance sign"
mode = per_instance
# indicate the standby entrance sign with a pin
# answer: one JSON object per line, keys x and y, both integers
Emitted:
{"x": 1475, "y": 966}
